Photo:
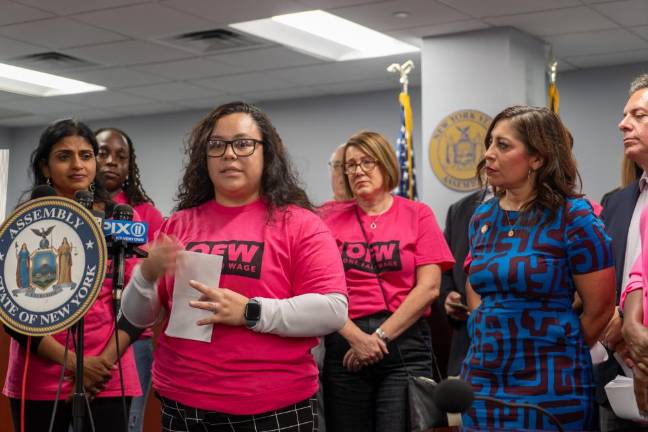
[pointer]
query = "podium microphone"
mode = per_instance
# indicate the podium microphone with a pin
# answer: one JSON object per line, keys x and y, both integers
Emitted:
{"x": 456, "y": 396}
{"x": 41, "y": 191}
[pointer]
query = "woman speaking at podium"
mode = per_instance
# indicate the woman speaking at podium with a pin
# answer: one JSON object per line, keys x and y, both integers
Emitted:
{"x": 66, "y": 159}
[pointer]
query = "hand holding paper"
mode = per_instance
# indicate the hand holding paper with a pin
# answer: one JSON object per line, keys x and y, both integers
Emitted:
{"x": 226, "y": 306}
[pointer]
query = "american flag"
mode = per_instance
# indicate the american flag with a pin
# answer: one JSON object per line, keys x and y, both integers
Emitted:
{"x": 405, "y": 151}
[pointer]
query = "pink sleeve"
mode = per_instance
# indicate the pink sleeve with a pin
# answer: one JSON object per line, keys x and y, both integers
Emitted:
{"x": 596, "y": 207}
{"x": 635, "y": 282}
{"x": 467, "y": 262}
{"x": 431, "y": 245}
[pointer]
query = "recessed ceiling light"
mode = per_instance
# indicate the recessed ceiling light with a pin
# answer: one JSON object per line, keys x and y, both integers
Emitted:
{"x": 325, "y": 35}
{"x": 29, "y": 82}
{"x": 401, "y": 14}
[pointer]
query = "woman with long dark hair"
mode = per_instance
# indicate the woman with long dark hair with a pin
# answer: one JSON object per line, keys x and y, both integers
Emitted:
{"x": 281, "y": 284}
{"x": 121, "y": 177}
{"x": 533, "y": 246}
{"x": 65, "y": 159}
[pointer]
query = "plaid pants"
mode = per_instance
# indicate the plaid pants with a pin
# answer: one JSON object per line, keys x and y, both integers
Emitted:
{"x": 299, "y": 417}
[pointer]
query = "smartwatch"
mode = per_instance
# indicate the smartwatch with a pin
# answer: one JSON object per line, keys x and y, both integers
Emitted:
{"x": 252, "y": 313}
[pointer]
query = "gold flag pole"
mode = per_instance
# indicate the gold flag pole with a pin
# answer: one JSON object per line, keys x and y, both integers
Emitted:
{"x": 404, "y": 70}
{"x": 553, "y": 95}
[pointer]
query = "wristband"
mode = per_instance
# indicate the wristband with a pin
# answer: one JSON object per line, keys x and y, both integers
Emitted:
{"x": 382, "y": 335}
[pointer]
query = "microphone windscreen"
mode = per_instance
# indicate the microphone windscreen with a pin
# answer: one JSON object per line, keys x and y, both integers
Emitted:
{"x": 85, "y": 198}
{"x": 41, "y": 191}
{"x": 123, "y": 212}
{"x": 453, "y": 395}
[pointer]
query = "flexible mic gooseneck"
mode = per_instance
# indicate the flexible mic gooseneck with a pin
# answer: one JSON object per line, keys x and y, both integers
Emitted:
{"x": 41, "y": 191}
{"x": 456, "y": 396}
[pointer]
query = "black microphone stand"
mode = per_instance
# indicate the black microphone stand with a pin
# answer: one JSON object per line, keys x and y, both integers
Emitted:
{"x": 537, "y": 408}
{"x": 79, "y": 397}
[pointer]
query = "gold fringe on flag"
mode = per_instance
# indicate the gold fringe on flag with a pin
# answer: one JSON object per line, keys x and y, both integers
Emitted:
{"x": 553, "y": 96}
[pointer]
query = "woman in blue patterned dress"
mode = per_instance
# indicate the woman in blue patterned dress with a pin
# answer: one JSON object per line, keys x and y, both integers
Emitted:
{"x": 532, "y": 246}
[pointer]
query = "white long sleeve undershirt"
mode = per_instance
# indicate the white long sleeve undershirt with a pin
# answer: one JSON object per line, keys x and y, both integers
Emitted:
{"x": 300, "y": 316}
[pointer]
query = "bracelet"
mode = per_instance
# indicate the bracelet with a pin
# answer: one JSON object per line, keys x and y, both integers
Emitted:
{"x": 382, "y": 335}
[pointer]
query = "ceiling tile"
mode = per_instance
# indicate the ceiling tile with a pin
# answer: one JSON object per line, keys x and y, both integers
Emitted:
{"x": 15, "y": 13}
{"x": 104, "y": 99}
{"x": 560, "y": 21}
{"x": 564, "y": 65}
{"x": 327, "y": 4}
{"x": 380, "y": 16}
{"x": 116, "y": 77}
{"x": 346, "y": 71}
{"x": 235, "y": 11}
{"x": 10, "y": 48}
{"x": 490, "y": 8}
{"x": 172, "y": 91}
{"x": 66, "y": 7}
{"x": 641, "y": 31}
{"x": 243, "y": 83}
{"x": 145, "y": 20}
{"x": 267, "y": 58}
{"x": 626, "y": 13}
{"x": 438, "y": 29}
{"x": 7, "y": 96}
{"x": 128, "y": 53}
{"x": 59, "y": 33}
{"x": 604, "y": 41}
{"x": 189, "y": 69}
{"x": 596, "y": 60}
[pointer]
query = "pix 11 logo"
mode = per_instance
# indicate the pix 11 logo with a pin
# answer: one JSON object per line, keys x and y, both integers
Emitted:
{"x": 52, "y": 265}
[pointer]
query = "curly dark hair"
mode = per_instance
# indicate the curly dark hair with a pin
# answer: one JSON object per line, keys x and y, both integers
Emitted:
{"x": 545, "y": 136}
{"x": 133, "y": 188}
{"x": 54, "y": 133}
{"x": 280, "y": 185}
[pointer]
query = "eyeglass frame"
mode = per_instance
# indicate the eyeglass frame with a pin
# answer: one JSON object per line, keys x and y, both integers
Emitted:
{"x": 230, "y": 143}
{"x": 352, "y": 168}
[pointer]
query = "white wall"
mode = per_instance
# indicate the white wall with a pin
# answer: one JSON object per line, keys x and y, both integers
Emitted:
{"x": 591, "y": 105}
{"x": 311, "y": 129}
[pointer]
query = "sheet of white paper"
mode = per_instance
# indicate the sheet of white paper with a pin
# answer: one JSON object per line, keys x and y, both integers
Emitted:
{"x": 200, "y": 267}
{"x": 598, "y": 353}
{"x": 620, "y": 393}
{"x": 626, "y": 370}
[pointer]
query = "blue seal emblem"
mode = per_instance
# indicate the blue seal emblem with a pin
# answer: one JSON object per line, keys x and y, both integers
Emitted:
{"x": 52, "y": 265}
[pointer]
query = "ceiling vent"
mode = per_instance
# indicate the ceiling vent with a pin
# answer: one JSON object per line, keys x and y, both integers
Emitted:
{"x": 213, "y": 41}
{"x": 51, "y": 61}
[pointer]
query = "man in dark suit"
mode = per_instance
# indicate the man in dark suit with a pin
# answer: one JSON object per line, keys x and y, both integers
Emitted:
{"x": 453, "y": 282}
{"x": 621, "y": 212}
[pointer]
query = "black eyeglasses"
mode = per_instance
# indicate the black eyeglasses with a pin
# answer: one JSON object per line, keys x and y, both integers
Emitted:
{"x": 365, "y": 165}
{"x": 336, "y": 165}
{"x": 241, "y": 147}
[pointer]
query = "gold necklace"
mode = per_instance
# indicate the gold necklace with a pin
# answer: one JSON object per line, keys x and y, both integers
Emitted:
{"x": 510, "y": 232}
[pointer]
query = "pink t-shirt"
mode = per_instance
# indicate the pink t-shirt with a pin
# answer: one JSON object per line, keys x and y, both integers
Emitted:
{"x": 43, "y": 375}
{"x": 150, "y": 214}
{"x": 241, "y": 371}
{"x": 405, "y": 237}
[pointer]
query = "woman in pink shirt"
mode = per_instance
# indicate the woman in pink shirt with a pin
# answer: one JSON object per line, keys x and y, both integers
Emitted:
{"x": 120, "y": 175}
{"x": 65, "y": 159}
{"x": 281, "y": 285}
{"x": 393, "y": 254}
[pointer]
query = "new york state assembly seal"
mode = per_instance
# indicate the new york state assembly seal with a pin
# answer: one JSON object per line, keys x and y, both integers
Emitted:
{"x": 52, "y": 265}
{"x": 457, "y": 146}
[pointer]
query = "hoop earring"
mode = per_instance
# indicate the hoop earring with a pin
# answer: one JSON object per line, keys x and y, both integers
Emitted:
{"x": 91, "y": 188}
{"x": 125, "y": 184}
{"x": 48, "y": 181}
